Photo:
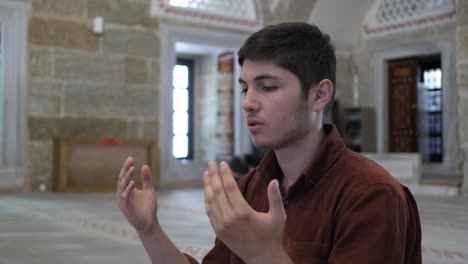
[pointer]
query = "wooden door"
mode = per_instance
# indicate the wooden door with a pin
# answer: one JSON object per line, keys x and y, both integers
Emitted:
{"x": 402, "y": 92}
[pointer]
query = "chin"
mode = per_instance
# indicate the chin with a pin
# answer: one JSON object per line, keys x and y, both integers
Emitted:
{"x": 262, "y": 144}
{"x": 259, "y": 143}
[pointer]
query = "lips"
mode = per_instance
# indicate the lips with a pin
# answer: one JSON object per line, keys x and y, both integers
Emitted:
{"x": 254, "y": 124}
{"x": 254, "y": 121}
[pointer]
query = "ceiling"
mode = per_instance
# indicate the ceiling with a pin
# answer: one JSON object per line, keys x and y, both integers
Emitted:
{"x": 341, "y": 19}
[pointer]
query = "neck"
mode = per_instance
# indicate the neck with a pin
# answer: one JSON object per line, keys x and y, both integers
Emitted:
{"x": 294, "y": 158}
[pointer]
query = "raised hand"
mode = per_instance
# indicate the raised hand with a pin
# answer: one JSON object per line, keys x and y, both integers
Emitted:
{"x": 253, "y": 236}
{"x": 138, "y": 206}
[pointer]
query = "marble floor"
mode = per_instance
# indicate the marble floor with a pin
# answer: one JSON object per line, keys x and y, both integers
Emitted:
{"x": 39, "y": 228}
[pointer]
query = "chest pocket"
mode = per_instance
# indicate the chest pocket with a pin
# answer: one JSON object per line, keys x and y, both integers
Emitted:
{"x": 307, "y": 252}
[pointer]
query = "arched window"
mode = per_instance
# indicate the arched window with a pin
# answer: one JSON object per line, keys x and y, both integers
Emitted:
{"x": 182, "y": 109}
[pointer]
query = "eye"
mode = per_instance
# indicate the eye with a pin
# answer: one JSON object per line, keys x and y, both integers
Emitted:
{"x": 269, "y": 88}
{"x": 243, "y": 91}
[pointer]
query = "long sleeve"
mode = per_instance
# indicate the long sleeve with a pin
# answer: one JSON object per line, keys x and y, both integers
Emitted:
{"x": 218, "y": 254}
{"x": 372, "y": 227}
{"x": 190, "y": 259}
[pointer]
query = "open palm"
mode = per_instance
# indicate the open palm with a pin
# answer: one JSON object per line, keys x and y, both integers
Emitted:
{"x": 138, "y": 206}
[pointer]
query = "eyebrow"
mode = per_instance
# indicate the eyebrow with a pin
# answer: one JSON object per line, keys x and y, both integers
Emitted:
{"x": 260, "y": 77}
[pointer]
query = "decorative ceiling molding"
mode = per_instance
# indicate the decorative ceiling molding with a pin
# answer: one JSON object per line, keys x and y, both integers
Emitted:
{"x": 396, "y": 16}
{"x": 238, "y": 14}
{"x": 279, "y": 11}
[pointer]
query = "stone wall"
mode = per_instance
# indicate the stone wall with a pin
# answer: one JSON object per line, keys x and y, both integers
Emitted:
{"x": 462, "y": 79}
{"x": 344, "y": 79}
{"x": 87, "y": 85}
{"x": 207, "y": 107}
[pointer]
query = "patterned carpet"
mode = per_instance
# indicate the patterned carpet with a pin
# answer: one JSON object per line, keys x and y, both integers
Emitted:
{"x": 88, "y": 228}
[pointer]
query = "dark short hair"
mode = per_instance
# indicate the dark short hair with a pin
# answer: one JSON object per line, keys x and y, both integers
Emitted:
{"x": 300, "y": 48}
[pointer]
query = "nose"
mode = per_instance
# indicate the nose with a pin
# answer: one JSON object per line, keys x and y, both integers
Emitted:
{"x": 250, "y": 102}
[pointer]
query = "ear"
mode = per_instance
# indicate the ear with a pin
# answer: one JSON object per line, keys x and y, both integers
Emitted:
{"x": 319, "y": 95}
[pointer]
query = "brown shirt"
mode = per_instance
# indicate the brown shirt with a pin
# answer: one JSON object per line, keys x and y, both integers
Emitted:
{"x": 344, "y": 208}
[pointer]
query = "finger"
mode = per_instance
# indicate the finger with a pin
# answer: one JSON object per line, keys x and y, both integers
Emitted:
{"x": 212, "y": 215}
{"x": 146, "y": 178}
{"x": 126, "y": 179}
{"x": 276, "y": 202}
{"x": 232, "y": 191}
{"x": 208, "y": 192}
{"x": 207, "y": 185}
{"x": 127, "y": 163}
{"x": 219, "y": 194}
{"x": 126, "y": 193}
{"x": 123, "y": 170}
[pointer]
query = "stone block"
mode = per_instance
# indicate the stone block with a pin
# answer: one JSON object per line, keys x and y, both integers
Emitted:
{"x": 463, "y": 75}
{"x": 463, "y": 129}
{"x": 143, "y": 128}
{"x": 150, "y": 129}
{"x": 45, "y": 97}
{"x": 462, "y": 43}
{"x": 40, "y": 161}
{"x": 75, "y": 8}
{"x": 135, "y": 126}
{"x": 40, "y": 62}
{"x": 110, "y": 101}
{"x": 143, "y": 101}
{"x": 92, "y": 99}
{"x": 136, "y": 71}
{"x": 414, "y": 36}
{"x": 62, "y": 33}
{"x": 464, "y": 187}
{"x": 132, "y": 42}
{"x": 46, "y": 128}
{"x": 462, "y": 13}
{"x": 155, "y": 72}
{"x": 463, "y": 105}
{"x": 120, "y": 11}
{"x": 74, "y": 66}
{"x": 463, "y": 119}
{"x": 151, "y": 22}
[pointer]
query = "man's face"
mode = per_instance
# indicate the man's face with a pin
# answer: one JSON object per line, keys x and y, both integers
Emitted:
{"x": 274, "y": 108}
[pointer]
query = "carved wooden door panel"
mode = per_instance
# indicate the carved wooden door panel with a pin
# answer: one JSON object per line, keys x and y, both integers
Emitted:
{"x": 402, "y": 92}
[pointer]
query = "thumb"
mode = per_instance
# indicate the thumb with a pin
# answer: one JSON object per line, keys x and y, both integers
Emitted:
{"x": 146, "y": 178}
{"x": 276, "y": 202}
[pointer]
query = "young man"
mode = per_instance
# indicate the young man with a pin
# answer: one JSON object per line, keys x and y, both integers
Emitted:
{"x": 310, "y": 200}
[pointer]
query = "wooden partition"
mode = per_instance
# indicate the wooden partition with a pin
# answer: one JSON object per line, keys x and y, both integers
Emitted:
{"x": 93, "y": 165}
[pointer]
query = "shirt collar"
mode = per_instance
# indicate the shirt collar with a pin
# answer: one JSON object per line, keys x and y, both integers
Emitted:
{"x": 326, "y": 155}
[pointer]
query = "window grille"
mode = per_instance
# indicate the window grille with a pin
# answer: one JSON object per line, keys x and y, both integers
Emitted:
{"x": 393, "y": 15}
{"x": 390, "y": 11}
